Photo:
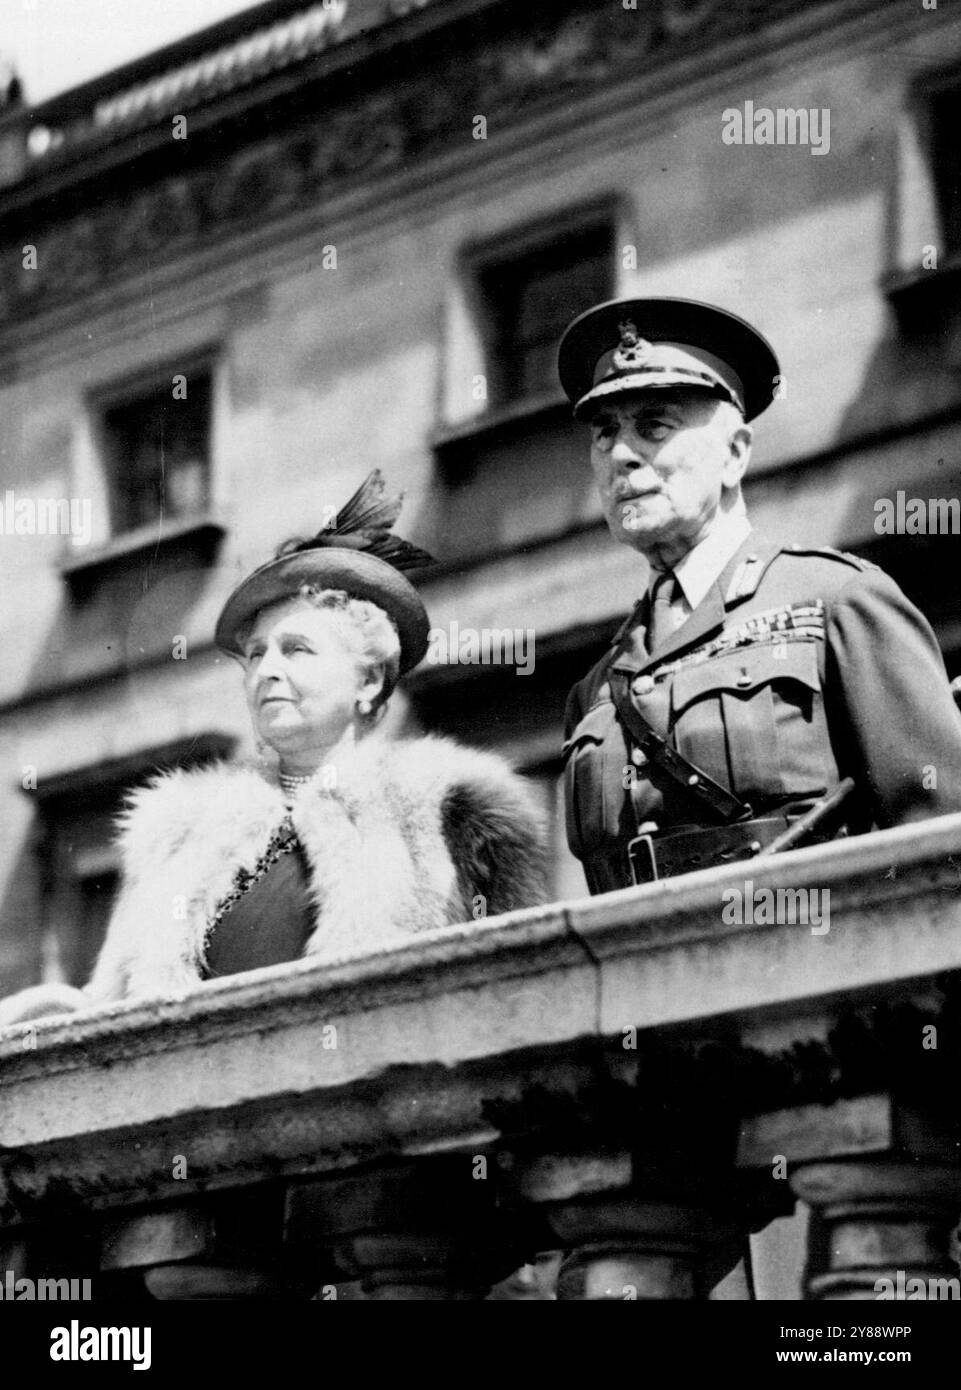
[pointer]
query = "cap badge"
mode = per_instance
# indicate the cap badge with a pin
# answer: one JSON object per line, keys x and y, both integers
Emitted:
{"x": 632, "y": 350}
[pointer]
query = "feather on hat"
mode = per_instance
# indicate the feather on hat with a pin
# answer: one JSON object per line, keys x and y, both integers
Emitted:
{"x": 359, "y": 554}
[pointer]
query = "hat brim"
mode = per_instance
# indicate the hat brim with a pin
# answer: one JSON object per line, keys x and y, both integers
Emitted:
{"x": 360, "y": 575}
{"x": 725, "y": 335}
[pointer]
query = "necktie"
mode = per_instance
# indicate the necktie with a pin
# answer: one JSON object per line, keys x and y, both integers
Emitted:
{"x": 662, "y": 625}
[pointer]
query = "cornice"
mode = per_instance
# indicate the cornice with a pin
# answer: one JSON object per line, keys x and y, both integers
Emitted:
{"x": 325, "y": 143}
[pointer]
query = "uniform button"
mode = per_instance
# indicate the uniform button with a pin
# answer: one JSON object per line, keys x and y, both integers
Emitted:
{"x": 638, "y": 757}
{"x": 693, "y": 780}
{"x": 642, "y": 685}
{"x": 743, "y": 679}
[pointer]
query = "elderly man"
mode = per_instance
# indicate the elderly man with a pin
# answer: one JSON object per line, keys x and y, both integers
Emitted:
{"x": 752, "y": 676}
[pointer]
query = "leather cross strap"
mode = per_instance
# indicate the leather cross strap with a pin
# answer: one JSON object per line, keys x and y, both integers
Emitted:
{"x": 722, "y": 803}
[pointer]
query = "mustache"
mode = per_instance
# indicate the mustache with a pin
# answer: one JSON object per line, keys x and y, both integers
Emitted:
{"x": 630, "y": 494}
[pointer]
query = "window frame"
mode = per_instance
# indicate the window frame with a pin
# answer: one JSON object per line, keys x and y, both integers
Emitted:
{"x": 148, "y": 381}
{"x": 61, "y": 802}
{"x": 927, "y": 90}
{"x": 482, "y": 258}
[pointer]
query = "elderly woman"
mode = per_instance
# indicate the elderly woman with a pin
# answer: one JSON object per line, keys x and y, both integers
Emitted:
{"x": 341, "y": 841}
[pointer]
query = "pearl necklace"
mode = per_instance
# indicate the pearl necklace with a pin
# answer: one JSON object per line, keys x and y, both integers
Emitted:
{"x": 290, "y": 781}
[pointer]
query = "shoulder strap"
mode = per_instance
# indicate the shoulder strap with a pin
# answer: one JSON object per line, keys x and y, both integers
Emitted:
{"x": 827, "y": 552}
{"x": 723, "y": 805}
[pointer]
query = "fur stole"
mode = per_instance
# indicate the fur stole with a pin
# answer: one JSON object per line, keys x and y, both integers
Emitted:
{"x": 413, "y": 835}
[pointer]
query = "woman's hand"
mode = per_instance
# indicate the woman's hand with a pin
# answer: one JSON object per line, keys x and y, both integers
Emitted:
{"x": 41, "y": 1001}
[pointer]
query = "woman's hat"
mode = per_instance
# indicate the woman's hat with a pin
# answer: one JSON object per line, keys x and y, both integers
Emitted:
{"x": 358, "y": 554}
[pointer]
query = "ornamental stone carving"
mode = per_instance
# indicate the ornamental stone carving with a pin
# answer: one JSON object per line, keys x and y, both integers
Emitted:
{"x": 261, "y": 182}
{"x": 519, "y": 66}
{"x": 167, "y": 214}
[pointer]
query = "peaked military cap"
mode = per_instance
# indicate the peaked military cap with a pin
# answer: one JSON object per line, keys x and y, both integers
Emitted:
{"x": 639, "y": 344}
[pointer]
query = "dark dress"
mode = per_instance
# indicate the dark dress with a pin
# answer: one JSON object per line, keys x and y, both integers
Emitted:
{"x": 267, "y": 917}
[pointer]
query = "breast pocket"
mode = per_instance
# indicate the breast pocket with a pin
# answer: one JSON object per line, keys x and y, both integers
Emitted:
{"x": 595, "y": 756}
{"x": 755, "y": 719}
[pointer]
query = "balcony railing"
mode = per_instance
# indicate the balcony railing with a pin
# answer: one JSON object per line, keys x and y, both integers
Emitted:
{"x": 636, "y": 1080}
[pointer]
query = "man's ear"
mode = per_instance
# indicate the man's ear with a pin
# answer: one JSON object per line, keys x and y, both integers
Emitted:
{"x": 739, "y": 455}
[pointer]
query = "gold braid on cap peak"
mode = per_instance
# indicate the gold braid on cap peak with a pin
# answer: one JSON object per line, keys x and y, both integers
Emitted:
{"x": 363, "y": 523}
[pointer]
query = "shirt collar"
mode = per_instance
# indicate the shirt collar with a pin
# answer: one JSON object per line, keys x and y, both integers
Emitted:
{"x": 703, "y": 566}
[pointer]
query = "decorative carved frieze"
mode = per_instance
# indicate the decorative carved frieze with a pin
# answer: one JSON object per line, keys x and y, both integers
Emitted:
{"x": 506, "y": 75}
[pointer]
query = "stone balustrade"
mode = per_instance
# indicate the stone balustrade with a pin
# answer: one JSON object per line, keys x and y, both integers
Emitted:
{"x": 638, "y": 1081}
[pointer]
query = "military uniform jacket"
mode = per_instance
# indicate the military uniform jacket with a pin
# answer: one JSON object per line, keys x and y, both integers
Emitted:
{"x": 799, "y": 668}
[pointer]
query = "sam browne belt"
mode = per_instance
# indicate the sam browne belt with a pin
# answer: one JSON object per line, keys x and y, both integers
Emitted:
{"x": 719, "y": 803}
{"x": 738, "y": 833}
{"x": 664, "y": 854}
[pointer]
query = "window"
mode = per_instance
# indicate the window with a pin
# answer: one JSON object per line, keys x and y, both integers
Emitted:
{"x": 946, "y": 157}
{"x": 530, "y": 299}
{"x": 157, "y": 445}
{"x": 77, "y": 845}
{"x": 83, "y": 881}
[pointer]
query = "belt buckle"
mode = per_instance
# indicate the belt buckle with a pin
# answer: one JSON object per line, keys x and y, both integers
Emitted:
{"x": 681, "y": 851}
{"x": 642, "y": 859}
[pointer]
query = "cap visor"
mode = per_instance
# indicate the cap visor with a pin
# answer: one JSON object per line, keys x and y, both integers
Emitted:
{"x": 647, "y": 381}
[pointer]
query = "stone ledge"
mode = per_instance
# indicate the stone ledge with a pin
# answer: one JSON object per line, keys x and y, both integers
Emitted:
{"x": 431, "y": 1038}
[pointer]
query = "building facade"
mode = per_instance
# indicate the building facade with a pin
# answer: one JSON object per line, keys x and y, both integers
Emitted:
{"x": 318, "y": 238}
